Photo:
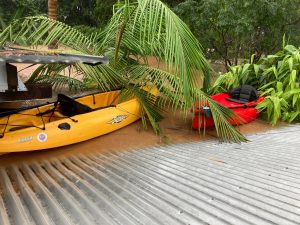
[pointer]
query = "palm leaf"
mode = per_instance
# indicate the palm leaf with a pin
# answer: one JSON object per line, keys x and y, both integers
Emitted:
{"x": 137, "y": 29}
{"x": 154, "y": 29}
{"x": 150, "y": 110}
{"x": 221, "y": 116}
{"x": 42, "y": 30}
{"x": 53, "y": 74}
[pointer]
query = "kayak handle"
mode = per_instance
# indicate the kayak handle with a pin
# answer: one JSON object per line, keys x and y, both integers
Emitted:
{"x": 242, "y": 106}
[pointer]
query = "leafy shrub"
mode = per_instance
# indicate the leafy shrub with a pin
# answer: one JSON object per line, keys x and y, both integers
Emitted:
{"x": 232, "y": 30}
{"x": 87, "y": 30}
{"x": 277, "y": 77}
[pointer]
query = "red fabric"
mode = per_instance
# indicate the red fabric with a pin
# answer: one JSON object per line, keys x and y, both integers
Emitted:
{"x": 246, "y": 115}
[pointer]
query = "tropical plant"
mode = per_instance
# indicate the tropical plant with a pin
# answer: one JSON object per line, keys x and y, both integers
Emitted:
{"x": 278, "y": 79}
{"x": 53, "y": 9}
{"x": 12, "y": 10}
{"x": 137, "y": 29}
{"x": 103, "y": 11}
{"x": 233, "y": 30}
{"x": 53, "y": 14}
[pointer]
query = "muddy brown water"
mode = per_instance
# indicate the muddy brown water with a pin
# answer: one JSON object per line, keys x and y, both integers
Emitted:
{"x": 175, "y": 129}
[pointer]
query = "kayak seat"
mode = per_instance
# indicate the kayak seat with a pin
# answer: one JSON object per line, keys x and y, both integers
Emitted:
{"x": 243, "y": 94}
{"x": 70, "y": 107}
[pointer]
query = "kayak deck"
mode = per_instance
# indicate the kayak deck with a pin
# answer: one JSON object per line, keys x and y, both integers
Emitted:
{"x": 246, "y": 112}
{"x": 42, "y": 128}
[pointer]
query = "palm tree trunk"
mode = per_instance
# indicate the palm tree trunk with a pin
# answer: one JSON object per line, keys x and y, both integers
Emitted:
{"x": 53, "y": 9}
{"x": 53, "y": 14}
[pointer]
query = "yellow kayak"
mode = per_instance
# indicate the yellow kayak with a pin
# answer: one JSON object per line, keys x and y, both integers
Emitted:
{"x": 66, "y": 122}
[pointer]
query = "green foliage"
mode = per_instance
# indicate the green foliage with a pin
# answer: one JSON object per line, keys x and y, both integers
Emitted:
{"x": 77, "y": 12}
{"x": 137, "y": 29}
{"x": 87, "y": 30}
{"x": 232, "y": 30}
{"x": 94, "y": 13}
{"x": 103, "y": 11}
{"x": 277, "y": 77}
{"x": 91, "y": 12}
{"x": 53, "y": 74}
{"x": 173, "y": 3}
{"x": 11, "y": 10}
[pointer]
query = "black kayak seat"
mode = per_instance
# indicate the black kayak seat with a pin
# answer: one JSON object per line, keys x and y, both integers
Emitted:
{"x": 71, "y": 107}
{"x": 243, "y": 94}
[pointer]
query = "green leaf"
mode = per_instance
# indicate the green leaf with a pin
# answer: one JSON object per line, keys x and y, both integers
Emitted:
{"x": 290, "y": 48}
{"x": 256, "y": 69}
{"x": 279, "y": 86}
{"x": 291, "y": 63}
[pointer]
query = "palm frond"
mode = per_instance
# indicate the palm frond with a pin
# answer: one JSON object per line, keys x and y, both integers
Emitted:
{"x": 42, "y": 30}
{"x": 150, "y": 110}
{"x": 59, "y": 81}
{"x": 46, "y": 70}
{"x": 104, "y": 76}
{"x": 78, "y": 76}
{"x": 221, "y": 116}
{"x": 53, "y": 74}
{"x": 168, "y": 83}
{"x": 138, "y": 28}
{"x": 154, "y": 29}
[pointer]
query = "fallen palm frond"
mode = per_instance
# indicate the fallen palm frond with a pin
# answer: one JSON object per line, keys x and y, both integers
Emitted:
{"x": 137, "y": 29}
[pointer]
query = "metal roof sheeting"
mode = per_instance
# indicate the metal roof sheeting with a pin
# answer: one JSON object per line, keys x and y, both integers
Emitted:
{"x": 257, "y": 182}
{"x": 58, "y": 58}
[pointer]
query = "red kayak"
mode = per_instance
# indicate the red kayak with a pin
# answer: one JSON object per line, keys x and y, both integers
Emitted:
{"x": 245, "y": 111}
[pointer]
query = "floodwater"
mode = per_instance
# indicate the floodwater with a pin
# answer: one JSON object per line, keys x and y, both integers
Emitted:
{"x": 175, "y": 129}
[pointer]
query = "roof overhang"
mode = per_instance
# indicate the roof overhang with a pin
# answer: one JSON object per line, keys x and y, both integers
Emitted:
{"x": 60, "y": 58}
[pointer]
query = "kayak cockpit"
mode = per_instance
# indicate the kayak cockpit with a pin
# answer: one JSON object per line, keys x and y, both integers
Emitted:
{"x": 65, "y": 107}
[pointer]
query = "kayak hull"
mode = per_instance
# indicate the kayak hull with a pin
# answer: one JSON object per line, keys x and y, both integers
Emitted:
{"x": 61, "y": 130}
{"x": 246, "y": 112}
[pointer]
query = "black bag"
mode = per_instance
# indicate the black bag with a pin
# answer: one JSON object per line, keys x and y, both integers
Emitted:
{"x": 243, "y": 94}
{"x": 70, "y": 107}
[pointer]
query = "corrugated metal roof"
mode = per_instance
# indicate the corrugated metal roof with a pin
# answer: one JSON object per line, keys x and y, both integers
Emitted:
{"x": 58, "y": 58}
{"x": 257, "y": 182}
